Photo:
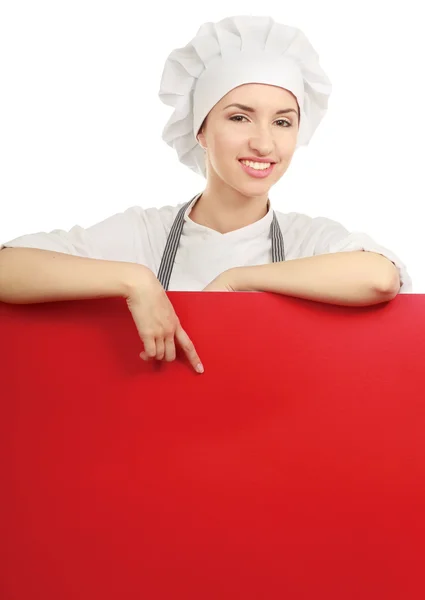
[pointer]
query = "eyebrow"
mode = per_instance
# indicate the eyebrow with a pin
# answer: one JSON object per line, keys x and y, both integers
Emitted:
{"x": 249, "y": 109}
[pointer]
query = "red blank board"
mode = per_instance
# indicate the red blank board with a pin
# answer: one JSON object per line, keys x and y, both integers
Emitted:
{"x": 294, "y": 467}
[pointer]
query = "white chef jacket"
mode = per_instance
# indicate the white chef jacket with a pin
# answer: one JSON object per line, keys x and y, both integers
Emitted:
{"x": 139, "y": 235}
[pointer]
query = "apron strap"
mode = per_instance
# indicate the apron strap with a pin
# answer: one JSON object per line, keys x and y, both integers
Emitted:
{"x": 278, "y": 246}
{"x": 173, "y": 240}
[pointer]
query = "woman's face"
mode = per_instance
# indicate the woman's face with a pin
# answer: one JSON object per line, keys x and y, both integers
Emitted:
{"x": 231, "y": 133}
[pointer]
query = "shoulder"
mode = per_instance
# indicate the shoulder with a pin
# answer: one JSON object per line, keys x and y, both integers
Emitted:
{"x": 155, "y": 218}
{"x": 306, "y": 235}
{"x": 132, "y": 235}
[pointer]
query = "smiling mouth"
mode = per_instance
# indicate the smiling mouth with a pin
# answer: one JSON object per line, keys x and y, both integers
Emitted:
{"x": 259, "y": 165}
{"x": 260, "y": 172}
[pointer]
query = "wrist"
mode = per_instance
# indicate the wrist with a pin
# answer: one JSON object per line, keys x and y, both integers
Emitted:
{"x": 239, "y": 276}
{"x": 133, "y": 276}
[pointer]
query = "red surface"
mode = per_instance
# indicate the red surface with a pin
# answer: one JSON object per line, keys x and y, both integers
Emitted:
{"x": 294, "y": 467}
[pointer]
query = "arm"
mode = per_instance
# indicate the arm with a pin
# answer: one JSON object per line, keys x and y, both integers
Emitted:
{"x": 357, "y": 278}
{"x": 29, "y": 275}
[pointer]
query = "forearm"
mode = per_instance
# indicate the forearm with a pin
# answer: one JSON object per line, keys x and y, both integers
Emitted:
{"x": 29, "y": 275}
{"x": 345, "y": 278}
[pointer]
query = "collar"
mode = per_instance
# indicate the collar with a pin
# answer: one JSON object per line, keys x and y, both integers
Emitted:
{"x": 249, "y": 231}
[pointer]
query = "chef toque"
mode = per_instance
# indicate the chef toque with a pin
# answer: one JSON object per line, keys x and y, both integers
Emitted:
{"x": 230, "y": 53}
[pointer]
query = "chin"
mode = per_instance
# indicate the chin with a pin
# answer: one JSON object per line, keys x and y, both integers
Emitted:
{"x": 250, "y": 187}
{"x": 253, "y": 191}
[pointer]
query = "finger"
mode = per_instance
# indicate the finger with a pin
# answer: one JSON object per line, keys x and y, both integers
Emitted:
{"x": 160, "y": 350}
{"x": 189, "y": 348}
{"x": 150, "y": 348}
{"x": 170, "y": 348}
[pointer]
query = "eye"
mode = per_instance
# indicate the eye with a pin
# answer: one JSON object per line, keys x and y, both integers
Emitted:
{"x": 237, "y": 117}
{"x": 284, "y": 121}
{"x": 289, "y": 124}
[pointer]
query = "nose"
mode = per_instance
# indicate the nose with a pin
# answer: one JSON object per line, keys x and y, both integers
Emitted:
{"x": 262, "y": 141}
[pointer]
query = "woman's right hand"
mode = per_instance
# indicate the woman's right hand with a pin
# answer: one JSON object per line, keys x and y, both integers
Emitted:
{"x": 156, "y": 320}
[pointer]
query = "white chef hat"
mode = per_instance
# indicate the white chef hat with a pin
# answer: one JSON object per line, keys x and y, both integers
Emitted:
{"x": 230, "y": 53}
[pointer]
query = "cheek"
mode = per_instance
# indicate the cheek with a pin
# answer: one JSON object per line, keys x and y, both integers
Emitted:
{"x": 224, "y": 147}
{"x": 226, "y": 140}
{"x": 287, "y": 148}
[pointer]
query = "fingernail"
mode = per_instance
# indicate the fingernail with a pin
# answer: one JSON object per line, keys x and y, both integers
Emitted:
{"x": 200, "y": 368}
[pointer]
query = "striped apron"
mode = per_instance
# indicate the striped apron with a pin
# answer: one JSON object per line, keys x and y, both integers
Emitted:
{"x": 173, "y": 240}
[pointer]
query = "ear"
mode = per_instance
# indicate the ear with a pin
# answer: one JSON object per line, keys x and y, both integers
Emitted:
{"x": 201, "y": 139}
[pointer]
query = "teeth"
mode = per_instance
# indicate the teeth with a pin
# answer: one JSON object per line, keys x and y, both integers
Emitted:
{"x": 256, "y": 165}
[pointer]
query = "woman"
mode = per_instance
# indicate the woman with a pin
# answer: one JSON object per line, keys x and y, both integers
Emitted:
{"x": 246, "y": 93}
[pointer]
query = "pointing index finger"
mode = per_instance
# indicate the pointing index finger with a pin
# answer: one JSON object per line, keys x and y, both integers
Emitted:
{"x": 189, "y": 349}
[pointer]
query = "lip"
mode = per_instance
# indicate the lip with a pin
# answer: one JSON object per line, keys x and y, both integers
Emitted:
{"x": 252, "y": 159}
{"x": 256, "y": 173}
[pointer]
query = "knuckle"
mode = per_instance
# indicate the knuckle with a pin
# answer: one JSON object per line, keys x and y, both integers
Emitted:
{"x": 148, "y": 333}
{"x": 156, "y": 333}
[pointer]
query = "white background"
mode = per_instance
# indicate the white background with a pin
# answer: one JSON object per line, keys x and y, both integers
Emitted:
{"x": 81, "y": 121}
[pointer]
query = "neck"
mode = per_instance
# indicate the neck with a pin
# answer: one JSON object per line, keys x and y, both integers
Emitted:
{"x": 228, "y": 210}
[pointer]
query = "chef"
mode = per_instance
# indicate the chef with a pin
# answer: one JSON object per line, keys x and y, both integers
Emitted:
{"x": 247, "y": 92}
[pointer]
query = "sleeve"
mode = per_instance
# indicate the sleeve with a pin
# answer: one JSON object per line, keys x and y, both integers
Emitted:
{"x": 112, "y": 239}
{"x": 330, "y": 237}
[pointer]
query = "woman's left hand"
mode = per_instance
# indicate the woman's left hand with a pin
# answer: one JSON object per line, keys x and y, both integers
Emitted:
{"x": 225, "y": 282}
